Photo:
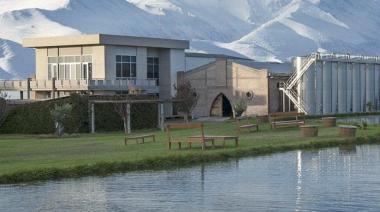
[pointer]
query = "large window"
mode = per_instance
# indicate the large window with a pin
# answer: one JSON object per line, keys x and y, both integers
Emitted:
{"x": 153, "y": 68}
{"x": 125, "y": 67}
{"x": 69, "y": 67}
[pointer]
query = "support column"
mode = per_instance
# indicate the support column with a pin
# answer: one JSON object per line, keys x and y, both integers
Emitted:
{"x": 28, "y": 89}
{"x": 53, "y": 88}
{"x": 162, "y": 115}
{"x": 283, "y": 102}
{"x": 129, "y": 118}
{"x": 92, "y": 108}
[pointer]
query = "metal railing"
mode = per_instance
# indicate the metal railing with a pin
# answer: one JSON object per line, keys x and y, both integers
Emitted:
{"x": 122, "y": 84}
{"x": 13, "y": 85}
{"x": 96, "y": 84}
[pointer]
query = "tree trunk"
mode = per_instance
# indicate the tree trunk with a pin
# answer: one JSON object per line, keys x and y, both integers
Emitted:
{"x": 186, "y": 117}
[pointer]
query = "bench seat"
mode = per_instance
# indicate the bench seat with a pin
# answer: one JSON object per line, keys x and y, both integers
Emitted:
{"x": 138, "y": 138}
{"x": 286, "y": 119}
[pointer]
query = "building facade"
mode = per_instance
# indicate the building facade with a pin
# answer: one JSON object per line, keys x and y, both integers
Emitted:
{"x": 224, "y": 81}
{"x": 101, "y": 64}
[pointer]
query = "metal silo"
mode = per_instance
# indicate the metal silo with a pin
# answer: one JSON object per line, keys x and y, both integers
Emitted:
{"x": 370, "y": 84}
{"x": 342, "y": 87}
{"x": 327, "y": 83}
{"x": 356, "y": 98}
{"x": 319, "y": 88}
{"x": 334, "y": 87}
{"x": 309, "y": 89}
{"x": 377, "y": 86}
{"x": 362, "y": 87}
{"x": 349, "y": 87}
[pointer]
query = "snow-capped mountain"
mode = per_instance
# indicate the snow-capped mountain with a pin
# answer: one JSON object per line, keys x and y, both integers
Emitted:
{"x": 265, "y": 30}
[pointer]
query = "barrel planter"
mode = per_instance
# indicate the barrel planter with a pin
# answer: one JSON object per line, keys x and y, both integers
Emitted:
{"x": 309, "y": 131}
{"x": 329, "y": 122}
{"x": 347, "y": 131}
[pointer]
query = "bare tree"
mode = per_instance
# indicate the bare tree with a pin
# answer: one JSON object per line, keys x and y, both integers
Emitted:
{"x": 123, "y": 111}
{"x": 186, "y": 98}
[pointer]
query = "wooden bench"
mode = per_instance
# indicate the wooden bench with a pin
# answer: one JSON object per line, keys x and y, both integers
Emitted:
{"x": 215, "y": 138}
{"x": 200, "y": 138}
{"x": 182, "y": 126}
{"x": 285, "y": 119}
{"x": 243, "y": 125}
{"x": 139, "y": 138}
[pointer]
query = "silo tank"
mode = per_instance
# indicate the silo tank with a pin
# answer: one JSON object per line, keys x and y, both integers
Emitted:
{"x": 318, "y": 88}
{"x": 326, "y": 87}
{"x": 342, "y": 87}
{"x": 363, "y": 87}
{"x": 356, "y": 88}
{"x": 334, "y": 87}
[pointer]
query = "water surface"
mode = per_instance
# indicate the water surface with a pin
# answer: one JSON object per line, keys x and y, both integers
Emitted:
{"x": 337, "y": 179}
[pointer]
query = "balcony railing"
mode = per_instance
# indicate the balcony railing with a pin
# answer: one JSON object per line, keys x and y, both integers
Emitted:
{"x": 122, "y": 84}
{"x": 79, "y": 85}
{"x": 13, "y": 85}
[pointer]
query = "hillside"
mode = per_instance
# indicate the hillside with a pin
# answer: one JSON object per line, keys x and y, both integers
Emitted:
{"x": 265, "y": 30}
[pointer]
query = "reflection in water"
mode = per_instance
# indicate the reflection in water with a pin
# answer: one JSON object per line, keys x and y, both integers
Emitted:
{"x": 299, "y": 180}
{"x": 324, "y": 180}
{"x": 347, "y": 149}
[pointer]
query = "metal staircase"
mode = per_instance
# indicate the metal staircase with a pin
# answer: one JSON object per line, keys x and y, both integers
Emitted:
{"x": 294, "y": 80}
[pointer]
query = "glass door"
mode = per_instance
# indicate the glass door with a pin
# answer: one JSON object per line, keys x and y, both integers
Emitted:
{"x": 87, "y": 71}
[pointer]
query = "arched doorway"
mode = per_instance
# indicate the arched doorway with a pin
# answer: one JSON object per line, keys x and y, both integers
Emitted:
{"x": 221, "y": 107}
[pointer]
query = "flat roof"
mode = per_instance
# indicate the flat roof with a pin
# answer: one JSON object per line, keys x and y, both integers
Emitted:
{"x": 272, "y": 67}
{"x": 103, "y": 39}
{"x": 207, "y": 55}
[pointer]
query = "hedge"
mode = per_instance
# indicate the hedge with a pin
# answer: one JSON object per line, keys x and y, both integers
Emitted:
{"x": 35, "y": 118}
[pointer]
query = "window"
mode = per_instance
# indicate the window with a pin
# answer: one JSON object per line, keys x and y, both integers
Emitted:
{"x": 68, "y": 67}
{"x": 153, "y": 68}
{"x": 125, "y": 66}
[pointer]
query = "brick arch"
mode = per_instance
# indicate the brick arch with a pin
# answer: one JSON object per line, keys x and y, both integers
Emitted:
{"x": 221, "y": 106}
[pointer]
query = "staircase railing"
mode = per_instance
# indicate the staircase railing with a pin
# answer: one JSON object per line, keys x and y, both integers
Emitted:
{"x": 294, "y": 80}
{"x": 296, "y": 76}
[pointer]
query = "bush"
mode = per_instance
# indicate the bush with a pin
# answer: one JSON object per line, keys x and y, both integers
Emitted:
{"x": 35, "y": 118}
{"x": 240, "y": 107}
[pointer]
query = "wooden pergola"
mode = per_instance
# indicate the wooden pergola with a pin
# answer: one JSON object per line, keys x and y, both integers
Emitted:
{"x": 129, "y": 102}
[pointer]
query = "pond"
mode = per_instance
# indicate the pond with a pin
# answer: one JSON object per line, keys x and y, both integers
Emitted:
{"x": 336, "y": 179}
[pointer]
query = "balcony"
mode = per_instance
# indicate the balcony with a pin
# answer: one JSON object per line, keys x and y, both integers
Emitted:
{"x": 13, "y": 85}
{"x": 124, "y": 84}
{"x": 149, "y": 85}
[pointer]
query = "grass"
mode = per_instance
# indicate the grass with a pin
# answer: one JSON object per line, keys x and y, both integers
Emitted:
{"x": 32, "y": 158}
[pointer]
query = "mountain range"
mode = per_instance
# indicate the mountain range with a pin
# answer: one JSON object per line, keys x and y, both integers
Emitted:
{"x": 263, "y": 30}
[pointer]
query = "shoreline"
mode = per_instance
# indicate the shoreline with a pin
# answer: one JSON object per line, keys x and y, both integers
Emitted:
{"x": 174, "y": 161}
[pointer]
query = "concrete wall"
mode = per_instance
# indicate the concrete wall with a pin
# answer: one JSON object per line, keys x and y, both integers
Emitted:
{"x": 234, "y": 81}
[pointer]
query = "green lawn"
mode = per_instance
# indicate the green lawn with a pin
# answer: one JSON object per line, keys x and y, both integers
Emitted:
{"x": 25, "y": 153}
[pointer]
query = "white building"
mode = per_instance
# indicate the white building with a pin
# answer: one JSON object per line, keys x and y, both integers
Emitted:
{"x": 101, "y": 64}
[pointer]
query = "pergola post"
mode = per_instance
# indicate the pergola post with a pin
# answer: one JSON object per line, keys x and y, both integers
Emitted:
{"x": 283, "y": 102}
{"x": 92, "y": 108}
{"x": 28, "y": 88}
{"x": 129, "y": 118}
{"x": 161, "y": 116}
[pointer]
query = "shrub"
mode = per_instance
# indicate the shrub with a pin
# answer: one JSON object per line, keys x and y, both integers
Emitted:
{"x": 240, "y": 107}
{"x": 59, "y": 113}
{"x": 35, "y": 118}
